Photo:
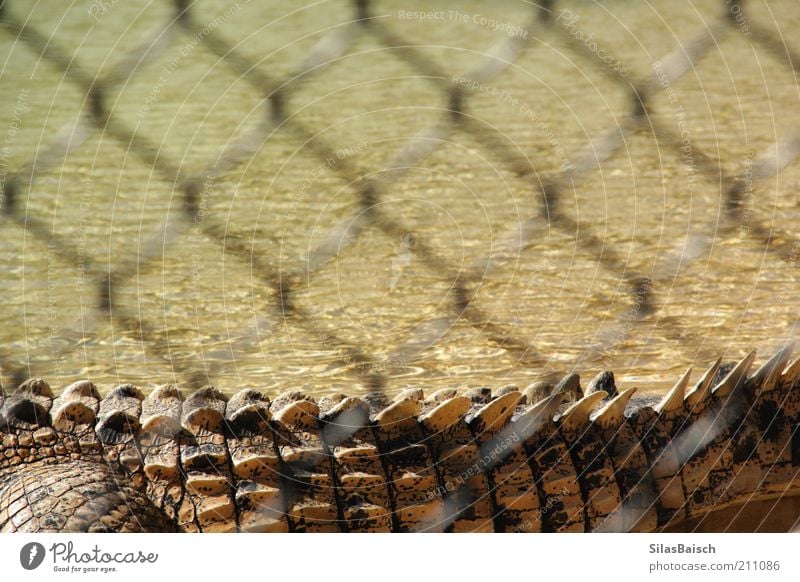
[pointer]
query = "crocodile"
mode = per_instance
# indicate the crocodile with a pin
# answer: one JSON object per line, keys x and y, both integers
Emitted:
{"x": 544, "y": 458}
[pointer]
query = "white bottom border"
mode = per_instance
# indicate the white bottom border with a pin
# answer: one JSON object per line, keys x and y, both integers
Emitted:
{"x": 355, "y": 557}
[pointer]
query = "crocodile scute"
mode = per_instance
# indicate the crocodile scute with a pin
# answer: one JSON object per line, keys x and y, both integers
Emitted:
{"x": 453, "y": 461}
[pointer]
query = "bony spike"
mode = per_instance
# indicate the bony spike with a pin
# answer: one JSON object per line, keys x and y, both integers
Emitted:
{"x": 674, "y": 399}
{"x": 735, "y": 377}
{"x": 577, "y": 415}
{"x": 701, "y": 391}
{"x": 613, "y": 414}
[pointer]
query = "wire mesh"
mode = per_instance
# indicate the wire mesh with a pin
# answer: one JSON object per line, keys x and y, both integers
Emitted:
{"x": 282, "y": 277}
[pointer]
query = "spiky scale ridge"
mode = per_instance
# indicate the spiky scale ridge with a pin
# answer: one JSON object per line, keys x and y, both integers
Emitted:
{"x": 78, "y": 404}
{"x": 455, "y": 461}
{"x": 698, "y": 396}
{"x": 362, "y": 490}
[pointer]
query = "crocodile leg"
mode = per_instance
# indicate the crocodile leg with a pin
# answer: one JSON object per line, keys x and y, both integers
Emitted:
{"x": 55, "y": 474}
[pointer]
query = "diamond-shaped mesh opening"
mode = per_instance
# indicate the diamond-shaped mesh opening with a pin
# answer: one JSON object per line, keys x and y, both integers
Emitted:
{"x": 460, "y": 201}
{"x": 631, "y": 37}
{"x": 647, "y": 203}
{"x": 333, "y": 105}
{"x": 550, "y": 105}
{"x": 99, "y": 32}
{"x": 757, "y": 287}
{"x": 344, "y": 294}
{"x": 736, "y": 113}
{"x": 116, "y": 211}
{"x": 281, "y": 203}
{"x": 753, "y": 262}
{"x": 551, "y": 293}
{"x": 276, "y": 36}
{"x": 358, "y": 146}
{"x": 183, "y": 102}
{"x": 207, "y": 309}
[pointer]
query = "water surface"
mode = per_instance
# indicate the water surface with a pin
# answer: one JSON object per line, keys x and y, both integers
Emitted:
{"x": 324, "y": 251}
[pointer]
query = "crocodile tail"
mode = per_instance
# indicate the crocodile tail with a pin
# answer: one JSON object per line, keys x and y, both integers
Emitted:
{"x": 454, "y": 461}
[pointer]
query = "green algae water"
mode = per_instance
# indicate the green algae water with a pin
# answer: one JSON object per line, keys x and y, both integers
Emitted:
{"x": 342, "y": 197}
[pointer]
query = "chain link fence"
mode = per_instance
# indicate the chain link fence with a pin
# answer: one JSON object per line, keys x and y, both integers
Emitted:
{"x": 379, "y": 185}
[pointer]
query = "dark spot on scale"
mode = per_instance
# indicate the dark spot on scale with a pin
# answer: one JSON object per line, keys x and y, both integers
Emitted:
{"x": 718, "y": 479}
{"x": 723, "y": 370}
{"x": 593, "y": 481}
{"x": 27, "y": 411}
{"x": 125, "y": 391}
{"x": 744, "y": 449}
{"x": 770, "y": 419}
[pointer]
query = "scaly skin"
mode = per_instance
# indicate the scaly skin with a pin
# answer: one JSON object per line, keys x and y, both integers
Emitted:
{"x": 450, "y": 462}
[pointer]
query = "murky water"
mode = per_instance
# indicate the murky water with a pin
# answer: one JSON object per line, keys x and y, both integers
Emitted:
{"x": 374, "y": 293}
